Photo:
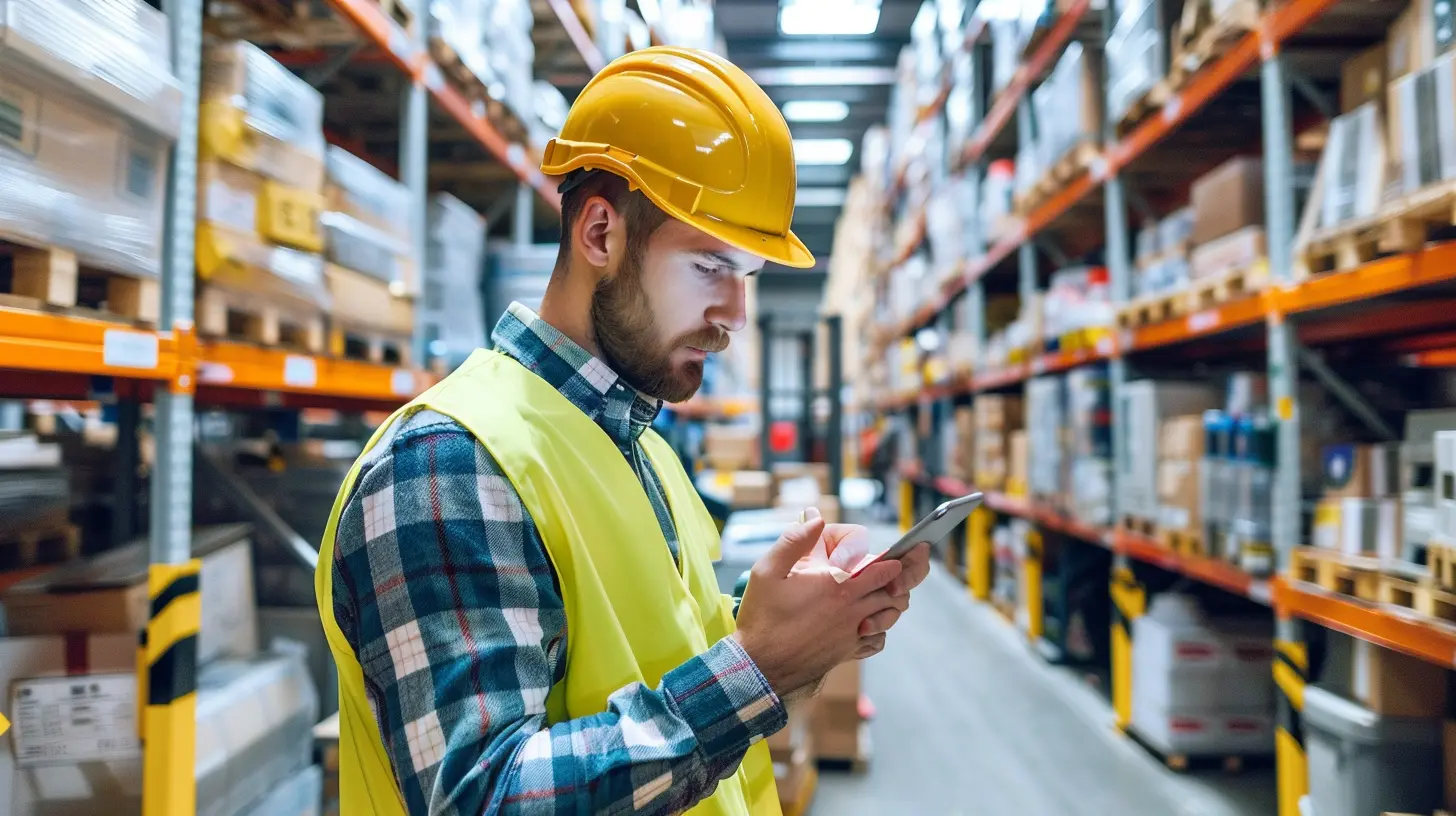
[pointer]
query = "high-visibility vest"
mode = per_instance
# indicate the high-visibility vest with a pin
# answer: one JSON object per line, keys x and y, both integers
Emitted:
{"x": 631, "y": 614}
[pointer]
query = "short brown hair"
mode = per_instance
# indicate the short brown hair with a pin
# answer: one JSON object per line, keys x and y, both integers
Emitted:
{"x": 637, "y": 210}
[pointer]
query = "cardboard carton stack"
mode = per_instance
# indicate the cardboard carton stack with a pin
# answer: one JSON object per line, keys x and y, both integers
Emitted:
{"x": 1180, "y": 458}
{"x": 1068, "y": 107}
{"x": 91, "y": 108}
{"x": 1162, "y": 255}
{"x": 730, "y": 447}
{"x": 35, "y": 502}
{"x": 961, "y": 461}
{"x": 1359, "y": 513}
{"x": 77, "y": 627}
{"x": 368, "y": 236}
{"x": 839, "y": 732}
{"x": 1228, "y": 221}
{"x": 452, "y": 317}
{"x": 1147, "y": 404}
{"x": 996, "y": 417}
{"x": 260, "y": 197}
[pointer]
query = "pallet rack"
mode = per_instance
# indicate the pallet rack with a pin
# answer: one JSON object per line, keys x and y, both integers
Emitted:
{"x": 1332, "y": 308}
{"x": 54, "y": 355}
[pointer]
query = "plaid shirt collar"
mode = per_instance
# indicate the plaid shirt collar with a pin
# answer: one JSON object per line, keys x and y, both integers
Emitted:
{"x": 621, "y": 410}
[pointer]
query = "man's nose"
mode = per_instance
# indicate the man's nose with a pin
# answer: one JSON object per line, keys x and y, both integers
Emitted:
{"x": 731, "y": 310}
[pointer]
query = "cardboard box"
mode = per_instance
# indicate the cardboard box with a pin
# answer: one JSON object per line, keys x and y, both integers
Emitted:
{"x": 842, "y": 683}
{"x": 1360, "y": 471}
{"x": 1238, "y": 251}
{"x": 108, "y": 594}
{"x": 247, "y": 202}
{"x": 1181, "y": 437}
{"x": 1421, "y": 123}
{"x": 1397, "y": 685}
{"x": 819, "y": 471}
{"x": 837, "y": 728}
{"x": 730, "y": 447}
{"x": 363, "y": 301}
{"x": 1362, "y": 79}
{"x": 1018, "y": 463}
{"x": 257, "y": 114}
{"x": 1228, "y": 198}
{"x": 1179, "y": 501}
{"x": 752, "y": 488}
{"x": 1410, "y": 43}
{"x": 998, "y": 412}
{"x": 1353, "y": 167}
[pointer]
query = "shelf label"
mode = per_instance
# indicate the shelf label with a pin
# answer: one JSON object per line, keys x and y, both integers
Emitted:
{"x": 214, "y": 373}
{"x": 1203, "y": 321}
{"x": 67, "y": 720}
{"x": 1172, "y": 108}
{"x": 402, "y": 382}
{"x": 129, "y": 349}
{"x": 300, "y": 372}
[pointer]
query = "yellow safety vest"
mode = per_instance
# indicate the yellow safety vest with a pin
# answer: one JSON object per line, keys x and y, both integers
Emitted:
{"x": 631, "y": 616}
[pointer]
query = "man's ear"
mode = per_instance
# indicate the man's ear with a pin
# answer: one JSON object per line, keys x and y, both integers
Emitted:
{"x": 600, "y": 234}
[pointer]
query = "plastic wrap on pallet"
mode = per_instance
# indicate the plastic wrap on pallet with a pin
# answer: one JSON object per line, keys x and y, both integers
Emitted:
{"x": 461, "y": 25}
{"x": 367, "y": 193}
{"x": 945, "y": 226}
{"x": 246, "y": 90}
{"x": 1067, "y": 105}
{"x": 232, "y": 260}
{"x": 1137, "y": 54}
{"x": 1423, "y": 125}
{"x": 1352, "y": 173}
{"x": 1007, "y": 42}
{"x": 116, "y": 51}
{"x": 355, "y": 245}
{"x": 455, "y": 260}
{"x": 79, "y": 176}
{"x": 244, "y": 750}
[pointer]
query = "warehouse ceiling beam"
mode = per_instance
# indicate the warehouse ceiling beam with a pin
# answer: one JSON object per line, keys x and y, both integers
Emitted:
{"x": 1353, "y": 400}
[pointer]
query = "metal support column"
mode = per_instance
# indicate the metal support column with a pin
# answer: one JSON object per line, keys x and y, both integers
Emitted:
{"x": 806, "y": 396}
{"x": 1283, "y": 394}
{"x": 1119, "y": 272}
{"x": 167, "y": 653}
{"x": 834, "y": 329}
{"x": 523, "y": 216}
{"x": 414, "y": 168}
{"x": 765, "y": 374}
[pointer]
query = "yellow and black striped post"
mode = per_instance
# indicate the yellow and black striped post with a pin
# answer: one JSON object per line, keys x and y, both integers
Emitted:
{"x": 1031, "y": 589}
{"x": 1129, "y": 601}
{"x": 907, "y": 505}
{"x": 1291, "y": 673}
{"x": 167, "y": 686}
{"x": 978, "y": 553}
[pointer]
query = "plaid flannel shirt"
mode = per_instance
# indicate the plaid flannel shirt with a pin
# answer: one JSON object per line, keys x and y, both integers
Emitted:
{"x": 443, "y": 587}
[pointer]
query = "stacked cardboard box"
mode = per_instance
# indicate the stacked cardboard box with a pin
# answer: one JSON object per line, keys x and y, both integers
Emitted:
{"x": 1360, "y": 511}
{"x": 91, "y": 108}
{"x": 1180, "y": 458}
{"x": 838, "y": 726}
{"x": 1147, "y": 403}
{"x": 1228, "y": 218}
{"x": 260, "y": 196}
{"x": 1162, "y": 254}
{"x": 996, "y": 417}
{"x": 730, "y": 447}
{"x": 1018, "y": 465}
{"x": 961, "y": 462}
{"x": 1088, "y": 445}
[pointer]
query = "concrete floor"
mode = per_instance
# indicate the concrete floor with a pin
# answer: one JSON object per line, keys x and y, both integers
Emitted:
{"x": 971, "y": 721}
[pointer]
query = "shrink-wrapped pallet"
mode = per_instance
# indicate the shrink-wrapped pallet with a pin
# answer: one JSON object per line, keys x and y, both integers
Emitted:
{"x": 453, "y": 316}
{"x": 1137, "y": 53}
{"x": 260, "y": 116}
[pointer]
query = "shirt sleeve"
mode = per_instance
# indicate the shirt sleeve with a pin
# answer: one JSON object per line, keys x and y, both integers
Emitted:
{"x": 445, "y": 591}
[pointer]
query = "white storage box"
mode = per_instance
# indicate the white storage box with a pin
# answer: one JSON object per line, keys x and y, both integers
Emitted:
{"x": 1361, "y": 763}
{"x": 1353, "y": 166}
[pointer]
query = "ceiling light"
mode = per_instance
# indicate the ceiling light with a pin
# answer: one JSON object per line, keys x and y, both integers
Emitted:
{"x": 819, "y": 197}
{"x": 822, "y": 151}
{"x": 836, "y": 75}
{"x": 809, "y": 110}
{"x": 829, "y": 18}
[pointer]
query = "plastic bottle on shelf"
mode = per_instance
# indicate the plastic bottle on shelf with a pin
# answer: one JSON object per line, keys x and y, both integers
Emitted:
{"x": 1214, "y": 490}
{"x": 1256, "y": 552}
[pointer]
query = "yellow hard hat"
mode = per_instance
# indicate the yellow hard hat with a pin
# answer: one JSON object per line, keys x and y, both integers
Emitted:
{"x": 698, "y": 137}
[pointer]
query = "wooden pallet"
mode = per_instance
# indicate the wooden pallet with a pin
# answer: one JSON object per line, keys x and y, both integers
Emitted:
{"x": 1333, "y": 572}
{"x": 1153, "y": 309}
{"x": 1403, "y": 225}
{"x": 1071, "y": 164}
{"x": 49, "y": 278}
{"x": 1441, "y": 560}
{"x": 1141, "y": 526}
{"x": 1236, "y": 285}
{"x": 296, "y": 24}
{"x": 1200, "y": 39}
{"x": 352, "y": 343}
{"x": 1151, "y": 100}
{"x": 39, "y": 545}
{"x": 1182, "y": 763}
{"x": 231, "y": 316}
{"x": 1183, "y": 542}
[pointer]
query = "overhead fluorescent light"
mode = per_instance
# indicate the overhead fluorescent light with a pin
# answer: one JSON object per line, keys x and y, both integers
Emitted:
{"x": 843, "y": 76}
{"x": 819, "y": 197}
{"x": 815, "y": 110}
{"x": 829, "y": 18}
{"x": 822, "y": 151}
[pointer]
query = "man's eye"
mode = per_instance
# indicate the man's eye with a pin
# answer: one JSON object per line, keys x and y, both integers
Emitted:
{"x": 707, "y": 271}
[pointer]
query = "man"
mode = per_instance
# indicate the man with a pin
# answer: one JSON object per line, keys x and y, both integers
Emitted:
{"x": 516, "y": 580}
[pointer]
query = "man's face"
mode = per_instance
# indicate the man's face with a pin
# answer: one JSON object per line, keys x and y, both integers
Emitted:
{"x": 662, "y": 314}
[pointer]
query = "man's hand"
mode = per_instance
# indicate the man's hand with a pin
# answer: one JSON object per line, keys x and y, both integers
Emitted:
{"x": 797, "y": 624}
{"x": 915, "y": 566}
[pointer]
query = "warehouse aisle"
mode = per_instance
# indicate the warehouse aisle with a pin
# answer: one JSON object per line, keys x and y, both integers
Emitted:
{"x": 970, "y": 721}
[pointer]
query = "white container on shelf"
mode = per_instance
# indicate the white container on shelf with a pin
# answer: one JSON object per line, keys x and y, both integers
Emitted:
{"x": 1361, "y": 762}
{"x": 1145, "y": 404}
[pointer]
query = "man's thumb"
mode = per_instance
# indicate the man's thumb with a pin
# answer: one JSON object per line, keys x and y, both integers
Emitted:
{"x": 796, "y": 542}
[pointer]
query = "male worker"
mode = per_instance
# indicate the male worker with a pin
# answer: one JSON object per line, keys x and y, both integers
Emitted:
{"x": 516, "y": 580}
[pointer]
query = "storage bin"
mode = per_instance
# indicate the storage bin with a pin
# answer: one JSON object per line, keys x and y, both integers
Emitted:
{"x": 1361, "y": 763}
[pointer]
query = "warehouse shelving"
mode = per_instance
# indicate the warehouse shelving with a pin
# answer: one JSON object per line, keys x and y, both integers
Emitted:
{"x": 1403, "y": 633}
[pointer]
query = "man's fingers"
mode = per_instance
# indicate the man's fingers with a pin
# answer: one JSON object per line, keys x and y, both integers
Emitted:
{"x": 875, "y": 577}
{"x": 879, "y": 623}
{"x": 796, "y": 543}
{"x": 915, "y": 566}
{"x": 879, "y": 601}
{"x": 835, "y": 533}
{"x": 869, "y": 646}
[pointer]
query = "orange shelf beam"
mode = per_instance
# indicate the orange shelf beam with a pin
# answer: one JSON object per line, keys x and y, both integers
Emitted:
{"x": 1417, "y": 638}
{"x": 386, "y": 34}
{"x": 237, "y": 366}
{"x": 1209, "y": 571}
{"x": 1030, "y": 71}
{"x": 46, "y": 342}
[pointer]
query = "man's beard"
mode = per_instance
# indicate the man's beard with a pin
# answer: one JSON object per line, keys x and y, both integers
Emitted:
{"x": 626, "y": 335}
